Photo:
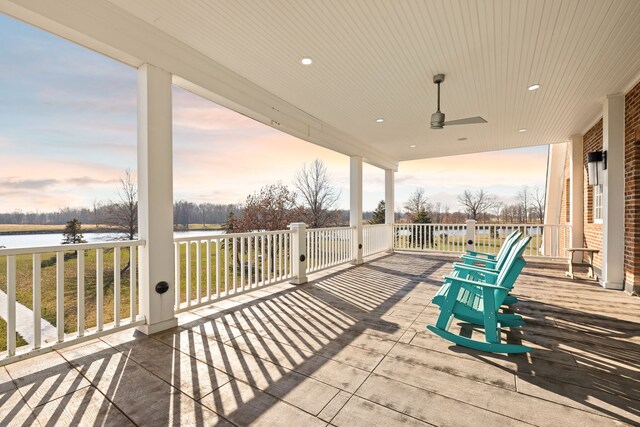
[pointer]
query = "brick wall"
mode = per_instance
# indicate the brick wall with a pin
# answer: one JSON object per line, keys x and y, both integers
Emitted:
{"x": 592, "y": 141}
{"x": 632, "y": 190}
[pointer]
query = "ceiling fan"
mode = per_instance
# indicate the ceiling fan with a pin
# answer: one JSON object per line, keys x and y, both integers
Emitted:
{"x": 437, "y": 118}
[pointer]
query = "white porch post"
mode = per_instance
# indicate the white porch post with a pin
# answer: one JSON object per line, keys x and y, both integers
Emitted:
{"x": 155, "y": 198}
{"x": 389, "y": 204}
{"x": 471, "y": 235}
{"x": 613, "y": 194}
{"x": 576, "y": 200}
{"x": 355, "y": 208}
{"x": 299, "y": 252}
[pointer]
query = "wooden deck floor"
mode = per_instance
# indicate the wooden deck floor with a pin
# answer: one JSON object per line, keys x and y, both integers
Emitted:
{"x": 348, "y": 349}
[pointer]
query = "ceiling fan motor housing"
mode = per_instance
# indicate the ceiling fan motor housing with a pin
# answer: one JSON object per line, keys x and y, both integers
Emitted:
{"x": 437, "y": 120}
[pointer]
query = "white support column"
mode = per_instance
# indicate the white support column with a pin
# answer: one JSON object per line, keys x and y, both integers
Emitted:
{"x": 613, "y": 194}
{"x": 389, "y": 204}
{"x": 576, "y": 199}
{"x": 355, "y": 208}
{"x": 299, "y": 252}
{"x": 155, "y": 198}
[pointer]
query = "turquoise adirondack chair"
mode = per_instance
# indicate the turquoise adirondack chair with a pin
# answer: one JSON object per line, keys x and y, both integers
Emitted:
{"x": 490, "y": 260}
{"x": 478, "y": 273}
{"x": 479, "y": 303}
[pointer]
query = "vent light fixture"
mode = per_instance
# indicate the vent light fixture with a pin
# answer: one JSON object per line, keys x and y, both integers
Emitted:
{"x": 306, "y": 61}
{"x": 534, "y": 87}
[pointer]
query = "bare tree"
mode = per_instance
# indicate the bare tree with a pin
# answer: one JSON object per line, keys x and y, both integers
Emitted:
{"x": 273, "y": 207}
{"x": 539, "y": 199}
{"x": 417, "y": 203}
{"x": 123, "y": 214}
{"x": 318, "y": 194}
{"x": 524, "y": 197}
{"x": 477, "y": 203}
{"x": 183, "y": 212}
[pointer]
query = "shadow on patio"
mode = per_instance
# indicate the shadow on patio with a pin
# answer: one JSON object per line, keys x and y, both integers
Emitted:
{"x": 349, "y": 348}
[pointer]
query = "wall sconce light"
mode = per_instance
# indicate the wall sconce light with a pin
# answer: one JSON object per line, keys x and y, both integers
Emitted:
{"x": 596, "y": 164}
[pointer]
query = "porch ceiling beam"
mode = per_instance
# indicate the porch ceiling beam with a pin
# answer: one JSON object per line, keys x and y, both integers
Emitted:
{"x": 107, "y": 29}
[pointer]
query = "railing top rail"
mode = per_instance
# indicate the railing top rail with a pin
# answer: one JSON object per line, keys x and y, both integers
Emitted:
{"x": 72, "y": 247}
{"x": 531, "y": 224}
{"x": 330, "y": 228}
{"x": 228, "y": 236}
{"x": 431, "y": 224}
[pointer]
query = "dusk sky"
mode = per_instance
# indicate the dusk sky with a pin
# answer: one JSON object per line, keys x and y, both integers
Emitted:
{"x": 68, "y": 133}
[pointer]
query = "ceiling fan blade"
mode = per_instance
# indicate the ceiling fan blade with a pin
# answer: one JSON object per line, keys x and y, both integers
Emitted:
{"x": 467, "y": 121}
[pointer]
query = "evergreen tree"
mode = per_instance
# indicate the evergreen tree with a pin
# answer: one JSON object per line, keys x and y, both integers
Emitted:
{"x": 231, "y": 223}
{"x": 378, "y": 215}
{"x": 73, "y": 233}
{"x": 422, "y": 217}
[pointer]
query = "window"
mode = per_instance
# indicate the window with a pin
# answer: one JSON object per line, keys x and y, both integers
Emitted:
{"x": 597, "y": 203}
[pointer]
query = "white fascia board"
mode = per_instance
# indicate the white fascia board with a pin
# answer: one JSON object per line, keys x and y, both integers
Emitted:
{"x": 107, "y": 29}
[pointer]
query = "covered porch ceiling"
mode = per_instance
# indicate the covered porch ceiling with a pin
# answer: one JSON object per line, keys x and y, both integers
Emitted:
{"x": 376, "y": 59}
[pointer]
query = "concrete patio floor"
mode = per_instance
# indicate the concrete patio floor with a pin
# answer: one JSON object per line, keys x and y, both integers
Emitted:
{"x": 350, "y": 348}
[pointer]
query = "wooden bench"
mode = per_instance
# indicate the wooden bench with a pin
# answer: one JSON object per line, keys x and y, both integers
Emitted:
{"x": 589, "y": 253}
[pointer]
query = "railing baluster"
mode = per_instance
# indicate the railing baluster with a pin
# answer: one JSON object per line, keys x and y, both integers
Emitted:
{"x": 37, "y": 301}
{"x": 199, "y": 271}
{"x": 99, "y": 289}
{"x": 187, "y": 272}
{"x": 116, "y": 286}
{"x": 133, "y": 283}
{"x": 249, "y": 260}
{"x": 218, "y": 241}
{"x": 208, "y": 267}
{"x": 234, "y": 258}
{"x": 60, "y": 295}
{"x": 280, "y": 256}
{"x": 269, "y": 258}
{"x": 256, "y": 267}
{"x": 226, "y": 266}
{"x": 11, "y": 305}
{"x": 178, "y": 261}
{"x": 80, "y": 282}
{"x": 262, "y": 261}
{"x": 242, "y": 263}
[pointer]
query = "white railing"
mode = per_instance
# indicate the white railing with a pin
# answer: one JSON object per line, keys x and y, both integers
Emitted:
{"x": 430, "y": 237}
{"x": 547, "y": 240}
{"x": 328, "y": 247}
{"x": 208, "y": 268}
{"x": 376, "y": 238}
{"x": 50, "y": 287}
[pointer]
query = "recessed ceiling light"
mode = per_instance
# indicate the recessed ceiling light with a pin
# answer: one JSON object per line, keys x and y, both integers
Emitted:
{"x": 522, "y": 130}
{"x": 534, "y": 87}
{"x": 306, "y": 61}
{"x": 412, "y": 146}
{"x": 380, "y": 120}
{"x": 462, "y": 139}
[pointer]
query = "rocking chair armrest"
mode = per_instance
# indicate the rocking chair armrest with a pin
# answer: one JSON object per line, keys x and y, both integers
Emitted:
{"x": 471, "y": 282}
{"x": 477, "y": 268}
{"x": 490, "y": 257}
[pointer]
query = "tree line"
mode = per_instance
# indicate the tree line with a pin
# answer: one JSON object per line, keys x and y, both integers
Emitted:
{"x": 312, "y": 200}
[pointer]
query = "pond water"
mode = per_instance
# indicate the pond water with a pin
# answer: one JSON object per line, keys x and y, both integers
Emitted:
{"x": 54, "y": 239}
